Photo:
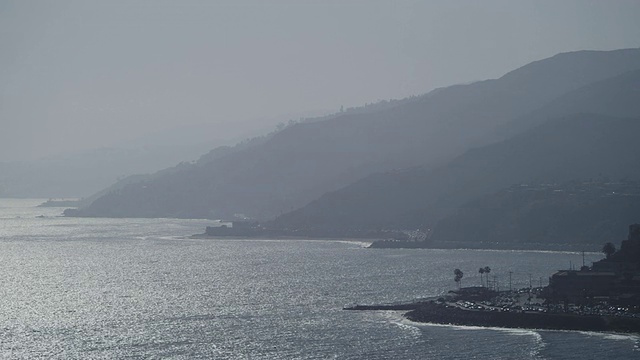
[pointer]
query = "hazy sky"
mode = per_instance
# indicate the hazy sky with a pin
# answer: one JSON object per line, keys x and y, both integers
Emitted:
{"x": 83, "y": 74}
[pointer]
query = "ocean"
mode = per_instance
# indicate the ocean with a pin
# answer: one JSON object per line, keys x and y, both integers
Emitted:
{"x": 84, "y": 288}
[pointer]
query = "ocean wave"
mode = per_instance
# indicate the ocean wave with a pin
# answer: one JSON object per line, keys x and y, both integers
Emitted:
{"x": 362, "y": 244}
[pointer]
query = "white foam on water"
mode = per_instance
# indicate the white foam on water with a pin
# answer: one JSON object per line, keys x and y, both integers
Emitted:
{"x": 166, "y": 237}
{"x": 538, "y": 345}
{"x": 396, "y": 318}
{"x": 414, "y": 330}
{"x": 612, "y": 336}
{"x": 363, "y": 244}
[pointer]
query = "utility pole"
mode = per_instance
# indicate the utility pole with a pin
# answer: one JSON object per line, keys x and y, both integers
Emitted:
{"x": 530, "y": 288}
{"x": 510, "y": 272}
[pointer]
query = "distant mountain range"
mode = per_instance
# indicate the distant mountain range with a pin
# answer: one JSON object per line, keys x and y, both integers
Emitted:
{"x": 304, "y": 161}
{"x": 411, "y": 163}
{"x": 83, "y": 173}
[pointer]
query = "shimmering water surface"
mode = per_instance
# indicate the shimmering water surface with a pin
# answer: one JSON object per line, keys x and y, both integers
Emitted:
{"x": 139, "y": 288}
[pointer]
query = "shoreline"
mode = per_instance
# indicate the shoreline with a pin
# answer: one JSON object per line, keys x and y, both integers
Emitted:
{"x": 282, "y": 238}
{"x": 371, "y": 243}
{"x": 444, "y": 313}
{"x": 440, "y": 314}
{"x": 461, "y": 245}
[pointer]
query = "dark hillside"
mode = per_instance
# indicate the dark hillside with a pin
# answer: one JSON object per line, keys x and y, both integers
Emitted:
{"x": 577, "y": 147}
{"x": 585, "y": 212}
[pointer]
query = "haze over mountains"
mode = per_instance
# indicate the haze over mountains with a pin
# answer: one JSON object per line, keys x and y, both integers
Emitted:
{"x": 83, "y": 173}
{"x": 407, "y": 165}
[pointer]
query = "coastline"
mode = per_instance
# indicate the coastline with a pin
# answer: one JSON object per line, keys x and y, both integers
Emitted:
{"x": 440, "y": 314}
{"x": 362, "y": 242}
{"x": 66, "y": 203}
{"x": 462, "y": 245}
{"x": 443, "y": 313}
{"x": 373, "y": 243}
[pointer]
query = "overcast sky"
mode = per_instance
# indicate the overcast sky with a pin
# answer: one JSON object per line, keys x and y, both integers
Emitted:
{"x": 81, "y": 74}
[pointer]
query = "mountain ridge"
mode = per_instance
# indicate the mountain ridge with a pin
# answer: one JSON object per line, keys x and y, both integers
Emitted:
{"x": 306, "y": 160}
{"x": 579, "y": 146}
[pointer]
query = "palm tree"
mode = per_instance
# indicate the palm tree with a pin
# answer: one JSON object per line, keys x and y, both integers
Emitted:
{"x": 608, "y": 249}
{"x": 487, "y": 270}
{"x": 458, "y": 274}
{"x": 481, "y": 271}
